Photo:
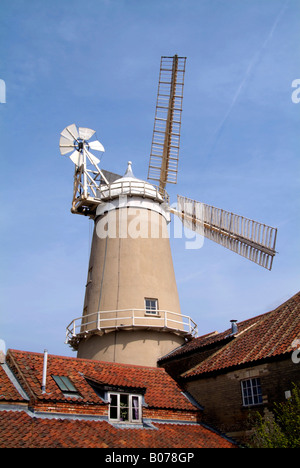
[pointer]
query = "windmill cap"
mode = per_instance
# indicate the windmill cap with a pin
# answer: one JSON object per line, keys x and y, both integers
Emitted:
{"x": 130, "y": 185}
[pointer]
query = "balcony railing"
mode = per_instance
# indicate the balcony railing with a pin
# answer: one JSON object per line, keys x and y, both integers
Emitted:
{"x": 132, "y": 187}
{"x": 104, "y": 321}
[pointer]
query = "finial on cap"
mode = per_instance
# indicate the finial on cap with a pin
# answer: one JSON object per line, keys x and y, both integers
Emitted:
{"x": 129, "y": 172}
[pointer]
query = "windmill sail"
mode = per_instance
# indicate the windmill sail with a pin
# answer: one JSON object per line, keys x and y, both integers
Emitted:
{"x": 244, "y": 236}
{"x": 163, "y": 164}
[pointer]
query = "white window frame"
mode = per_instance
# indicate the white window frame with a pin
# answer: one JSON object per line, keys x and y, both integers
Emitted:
{"x": 132, "y": 397}
{"x": 149, "y": 309}
{"x": 251, "y": 392}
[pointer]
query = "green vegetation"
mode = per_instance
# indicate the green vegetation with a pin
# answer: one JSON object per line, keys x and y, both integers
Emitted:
{"x": 283, "y": 429}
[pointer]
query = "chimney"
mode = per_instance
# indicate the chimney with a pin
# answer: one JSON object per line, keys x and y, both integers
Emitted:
{"x": 234, "y": 328}
{"x": 2, "y": 351}
{"x": 44, "y": 371}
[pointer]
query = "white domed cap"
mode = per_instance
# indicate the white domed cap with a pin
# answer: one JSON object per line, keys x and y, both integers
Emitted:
{"x": 130, "y": 185}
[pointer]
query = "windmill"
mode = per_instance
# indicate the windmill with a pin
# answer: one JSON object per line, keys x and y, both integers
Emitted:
{"x": 141, "y": 297}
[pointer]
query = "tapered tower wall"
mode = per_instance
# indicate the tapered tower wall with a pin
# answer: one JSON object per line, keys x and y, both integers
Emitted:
{"x": 139, "y": 347}
{"x": 131, "y": 309}
{"x": 130, "y": 262}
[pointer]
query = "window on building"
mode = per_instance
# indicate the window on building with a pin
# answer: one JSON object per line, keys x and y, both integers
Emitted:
{"x": 124, "y": 407}
{"x": 251, "y": 392}
{"x": 65, "y": 385}
{"x": 151, "y": 306}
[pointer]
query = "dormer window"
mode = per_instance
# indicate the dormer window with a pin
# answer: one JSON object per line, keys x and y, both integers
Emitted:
{"x": 125, "y": 407}
{"x": 151, "y": 306}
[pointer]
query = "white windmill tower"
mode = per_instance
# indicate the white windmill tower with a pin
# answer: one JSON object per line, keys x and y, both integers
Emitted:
{"x": 131, "y": 309}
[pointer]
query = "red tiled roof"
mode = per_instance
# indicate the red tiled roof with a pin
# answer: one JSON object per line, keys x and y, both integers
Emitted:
{"x": 208, "y": 340}
{"x": 262, "y": 337}
{"x": 72, "y": 425}
{"x": 161, "y": 391}
{"x": 19, "y": 430}
{"x": 7, "y": 390}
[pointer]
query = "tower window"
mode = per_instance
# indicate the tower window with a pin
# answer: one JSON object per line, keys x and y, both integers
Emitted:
{"x": 125, "y": 407}
{"x": 151, "y": 306}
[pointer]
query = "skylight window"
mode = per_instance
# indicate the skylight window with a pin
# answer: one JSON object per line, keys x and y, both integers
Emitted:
{"x": 65, "y": 385}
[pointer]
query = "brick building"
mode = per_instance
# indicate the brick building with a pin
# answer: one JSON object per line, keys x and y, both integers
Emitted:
{"x": 242, "y": 370}
{"x": 88, "y": 403}
{"x": 201, "y": 391}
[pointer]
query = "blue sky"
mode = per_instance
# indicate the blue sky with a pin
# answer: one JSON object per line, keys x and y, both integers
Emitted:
{"x": 95, "y": 63}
